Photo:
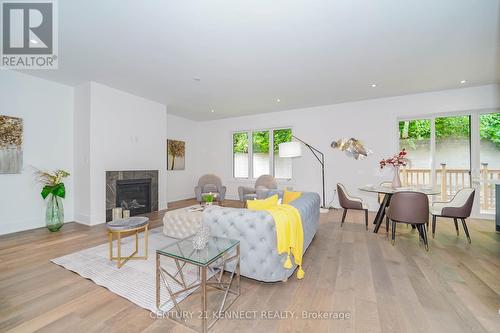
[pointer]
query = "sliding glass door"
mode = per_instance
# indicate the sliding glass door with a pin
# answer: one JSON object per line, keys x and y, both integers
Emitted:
{"x": 452, "y": 154}
{"x": 415, "y": 138}
{"x": 489, "y": 155}
{"x": 454, "y": 151}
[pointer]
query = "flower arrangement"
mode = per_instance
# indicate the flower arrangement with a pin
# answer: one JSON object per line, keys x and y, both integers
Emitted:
{"x": 396, "y": 160}
{"x": 53, "y": 188}
{"x": 52, "y": 182}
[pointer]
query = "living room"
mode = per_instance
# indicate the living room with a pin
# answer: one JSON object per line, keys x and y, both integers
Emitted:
{"x": 203, "y": 129}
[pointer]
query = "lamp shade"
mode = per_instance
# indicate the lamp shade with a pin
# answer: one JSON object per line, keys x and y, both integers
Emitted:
{"x": 290, "y": 149}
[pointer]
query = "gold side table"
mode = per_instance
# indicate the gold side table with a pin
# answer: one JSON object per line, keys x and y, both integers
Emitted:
{"x": 135, "y": 224}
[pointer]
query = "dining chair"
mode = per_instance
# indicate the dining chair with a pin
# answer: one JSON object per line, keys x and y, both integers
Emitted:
{"x": 411, "y": 208}
{"x": 459, "y": 207}
{"x": 347, "y": 201}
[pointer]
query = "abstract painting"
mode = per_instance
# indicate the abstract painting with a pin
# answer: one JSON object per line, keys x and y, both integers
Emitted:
{"x": 11, "y": 144}
{"x": 176, "y": 151}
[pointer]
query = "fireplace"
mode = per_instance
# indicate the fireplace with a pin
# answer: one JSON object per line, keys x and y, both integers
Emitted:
{"x": 136, "y": 190}
{"x": 134, "y": 195}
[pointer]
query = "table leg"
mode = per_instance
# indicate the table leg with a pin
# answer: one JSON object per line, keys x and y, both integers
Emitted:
{"x": 157, "y": 281}
{"x": 381, "y": 212}
{"x": 204, "y": 299}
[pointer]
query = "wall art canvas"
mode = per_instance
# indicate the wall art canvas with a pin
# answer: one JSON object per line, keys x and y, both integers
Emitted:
{"x": 176, "y": 151}
{"x": 11, "y": 145}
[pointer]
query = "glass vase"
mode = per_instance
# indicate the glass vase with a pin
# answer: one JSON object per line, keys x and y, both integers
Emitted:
{"x": 54, "y": 216}
{"x": 396, "y": 181}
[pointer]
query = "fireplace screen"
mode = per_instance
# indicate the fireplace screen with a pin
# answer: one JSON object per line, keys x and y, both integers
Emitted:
{"x": 134, "y": 195}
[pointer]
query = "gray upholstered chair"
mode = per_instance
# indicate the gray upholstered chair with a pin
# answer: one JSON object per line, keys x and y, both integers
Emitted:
{"x": 262, "y": 185}
{"x": 347, "y": 201}
{"x": 459, "y": 207}
{"x": 411, "y": 208}
{"x": 210, "y": 184}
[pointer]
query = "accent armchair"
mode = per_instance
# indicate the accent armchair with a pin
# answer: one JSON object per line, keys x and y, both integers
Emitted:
{"x": 210, "y": 184}
{"x": 263, "y": 184}
{"x": 459, "y": 207}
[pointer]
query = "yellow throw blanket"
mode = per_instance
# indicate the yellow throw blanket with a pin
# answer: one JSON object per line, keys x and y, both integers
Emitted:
{"x": 289, "y": 234}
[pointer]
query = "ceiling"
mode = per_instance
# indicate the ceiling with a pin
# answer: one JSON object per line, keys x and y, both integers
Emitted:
{"x": 239, "y": 57}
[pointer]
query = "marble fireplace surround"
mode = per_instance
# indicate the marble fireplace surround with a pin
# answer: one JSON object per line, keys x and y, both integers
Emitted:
{"x": 113, "y": 176}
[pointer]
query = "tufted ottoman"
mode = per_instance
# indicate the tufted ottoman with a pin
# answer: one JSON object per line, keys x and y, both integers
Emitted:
{"x": 182, "y": 223}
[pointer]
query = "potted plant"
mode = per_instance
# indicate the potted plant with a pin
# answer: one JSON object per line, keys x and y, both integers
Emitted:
{"x": 395, "y": 161}
{"x": 54, "y": 191}
{"x": 209, "y": 198}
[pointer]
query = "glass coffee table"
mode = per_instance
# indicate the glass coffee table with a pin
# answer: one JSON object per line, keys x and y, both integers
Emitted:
{"x": 194, "y": 273}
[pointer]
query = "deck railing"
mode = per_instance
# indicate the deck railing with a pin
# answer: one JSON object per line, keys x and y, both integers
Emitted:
{"x": 452, "y": 180}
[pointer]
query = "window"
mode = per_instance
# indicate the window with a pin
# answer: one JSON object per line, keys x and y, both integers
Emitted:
{"x": 282, "y": 165}
{"x": 260, "y": 153}
{"x": 261, "y": 157}
{"x": 240, "y": 155}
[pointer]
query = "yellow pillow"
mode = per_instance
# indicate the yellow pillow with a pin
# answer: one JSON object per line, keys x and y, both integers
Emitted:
{"x": 289, "y": 196}
{"x": 268, "y": 203}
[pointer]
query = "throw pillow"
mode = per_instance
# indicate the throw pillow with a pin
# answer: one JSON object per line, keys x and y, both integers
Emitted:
{"x": 289, "y": 196}
{"x": 263, "y": 204}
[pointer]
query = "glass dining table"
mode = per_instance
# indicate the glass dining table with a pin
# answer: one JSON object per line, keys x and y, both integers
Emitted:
{"x": 387, "y": 192}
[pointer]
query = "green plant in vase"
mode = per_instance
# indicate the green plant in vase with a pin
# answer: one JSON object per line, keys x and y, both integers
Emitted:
{"x": 54, "y": 191}
{"x": 209, "y": 198}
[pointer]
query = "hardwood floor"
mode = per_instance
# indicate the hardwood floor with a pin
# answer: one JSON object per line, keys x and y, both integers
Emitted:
{"x": 455, "y": 287}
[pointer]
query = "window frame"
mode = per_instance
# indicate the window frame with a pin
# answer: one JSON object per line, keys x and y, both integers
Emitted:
{"x": 250, "y": 152}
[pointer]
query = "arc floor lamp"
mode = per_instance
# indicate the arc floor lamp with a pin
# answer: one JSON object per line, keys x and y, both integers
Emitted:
{"x": 294, "y": 149}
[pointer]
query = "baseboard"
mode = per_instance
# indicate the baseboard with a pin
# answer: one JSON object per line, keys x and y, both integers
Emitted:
{"x": 24, "y": 225}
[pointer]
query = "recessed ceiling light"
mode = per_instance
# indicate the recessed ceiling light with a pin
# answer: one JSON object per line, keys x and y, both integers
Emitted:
{"x": 463, "y": 82}
{"x": 373, "y": 85}
{"x": 212, "y": 110}
{"x": 196, "y": 78}
{"x": 278, "y": 100}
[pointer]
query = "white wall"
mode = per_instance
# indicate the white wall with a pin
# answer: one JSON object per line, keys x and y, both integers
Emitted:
{"x": 47, "y": 111}
{"x": 372, "y": 121}
{"x": 181, "y": 183}
{"x": 118, "y": 131}
{"x": 127, "y": 132}
{"x": 82, "y": 153}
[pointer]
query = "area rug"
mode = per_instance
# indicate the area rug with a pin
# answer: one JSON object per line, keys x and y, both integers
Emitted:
{"x": 136, "y": 280}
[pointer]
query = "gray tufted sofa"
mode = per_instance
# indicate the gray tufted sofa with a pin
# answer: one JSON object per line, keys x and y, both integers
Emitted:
{"x": 257, "y": 235}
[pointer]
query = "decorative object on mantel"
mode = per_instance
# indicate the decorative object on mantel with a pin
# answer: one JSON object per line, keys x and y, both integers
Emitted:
{"x": 352, "y": 147}
{"x": 11, "y": 141}
{"x": 176, "y": 151}
{"x": 294, "y": 149}
{"x": 208, "y": 198}
{"x": 55, "y": 191}
{"x": 200, "y": 239}
{"x": 117, "y": 213}
{"x": 395, "y": 161}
